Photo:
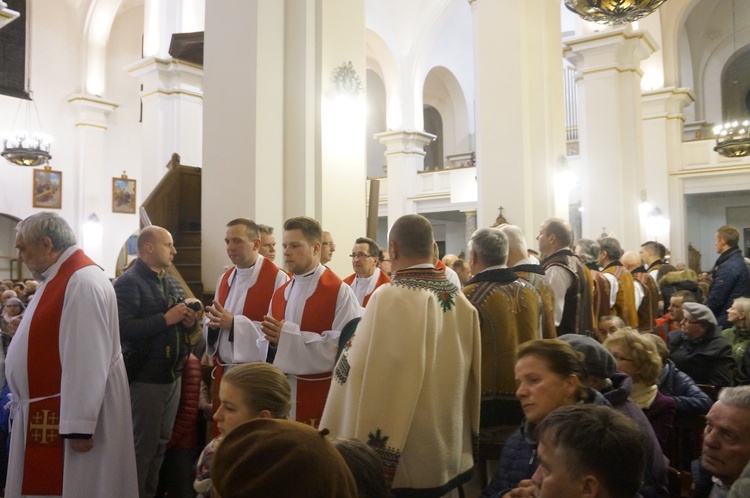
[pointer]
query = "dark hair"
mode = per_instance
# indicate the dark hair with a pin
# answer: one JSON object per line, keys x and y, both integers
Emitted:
{"x": 560, "y": 229}
{"x": 381, "y": 255}
{"x": 686, "y": 295}
{"x": 611, "y": 246}
{"x": 365, "y": 465}
{"x": 560, "y": 358}
{"x": 251, "y": 228}
{"x": 729, "y": 234}
{"x": 412, "y": 234}
{"x": 309, "y": 226}
{"x": 611, "y": 446}
{"x": 372, "y": 246}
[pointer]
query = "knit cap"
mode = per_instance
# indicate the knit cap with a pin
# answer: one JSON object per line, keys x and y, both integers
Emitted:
{"x": 598, "y": 361}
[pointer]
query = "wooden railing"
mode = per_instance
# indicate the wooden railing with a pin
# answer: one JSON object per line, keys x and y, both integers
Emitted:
{"x": 174, "y": 204}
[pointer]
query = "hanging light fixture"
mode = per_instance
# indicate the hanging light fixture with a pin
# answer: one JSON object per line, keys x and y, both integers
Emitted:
{"x": 613, "y": 11}
{"x": 24, "y": 147}
{"x": 733, "y": 137}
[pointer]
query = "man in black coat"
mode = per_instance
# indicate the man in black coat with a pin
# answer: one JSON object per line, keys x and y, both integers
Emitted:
{"x": 731, "y": 278}
{"x": 154, "y": 323}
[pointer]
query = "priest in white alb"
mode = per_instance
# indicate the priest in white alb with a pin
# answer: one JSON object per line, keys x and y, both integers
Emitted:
{"x": 72, "y": 432}
{"x": 367, "y": 276}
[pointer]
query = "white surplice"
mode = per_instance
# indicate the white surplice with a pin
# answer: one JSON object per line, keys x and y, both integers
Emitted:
{"x": 94, "y": 394}
{"x": 247, "y": 345}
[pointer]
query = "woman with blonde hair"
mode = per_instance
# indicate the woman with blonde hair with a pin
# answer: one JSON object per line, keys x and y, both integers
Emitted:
{"x": 247, "y": 392}
{"x": 738, "y": 335}
{"x": 637, "y": 357}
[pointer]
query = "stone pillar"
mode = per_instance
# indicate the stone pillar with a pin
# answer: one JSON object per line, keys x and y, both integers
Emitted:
{"x": 520, "y": 117}
{"x": 404, "y": 155}
{"x": 94, "y": 179}
{"x": 172, "y": 114}
{"x": 610, "y": 129}
{"x": 471, "y": 227}
{"x": 662, "y": 139}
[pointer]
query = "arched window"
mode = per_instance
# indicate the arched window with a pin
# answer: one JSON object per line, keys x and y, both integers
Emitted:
{"x": 433, "y": 123}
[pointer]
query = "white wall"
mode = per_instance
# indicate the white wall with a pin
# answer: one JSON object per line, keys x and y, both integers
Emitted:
{"x": 704, "y": 214}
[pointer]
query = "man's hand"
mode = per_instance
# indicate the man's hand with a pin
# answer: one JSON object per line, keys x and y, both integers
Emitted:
{"x": 177, "y": 313}
{"x": 272, "y": 328}
{"x": 525, "y": 489}
{"x": 82, "y": 445}
{"x": 190, "y": 317}
{"x": 218, "y": 317}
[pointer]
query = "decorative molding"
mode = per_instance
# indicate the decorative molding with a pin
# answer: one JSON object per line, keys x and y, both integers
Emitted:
{"x": 346, "y": 80}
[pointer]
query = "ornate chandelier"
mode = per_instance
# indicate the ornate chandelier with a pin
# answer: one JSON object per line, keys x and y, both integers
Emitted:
{"x": 24, "y": 148}
{"x": 733, "y": 139}
{"x": 613, "y": 11}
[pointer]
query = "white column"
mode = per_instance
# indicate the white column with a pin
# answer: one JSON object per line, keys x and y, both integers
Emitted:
{"x": 404, "y": 154}
{"x": 343, "y": 164}
{"x": 95, "y": 183}
{"x": 172, "y": 110}
{"x": 519, "y": 108}
{"x": 611, "y": 129}
{"x": 662, "y": 140}
{"x": 243, "y": 121}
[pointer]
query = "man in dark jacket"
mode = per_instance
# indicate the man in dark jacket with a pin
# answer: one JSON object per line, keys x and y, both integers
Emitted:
{"x": 731, "y": 278}
{"x": 154, "y": 322}
{"x": 699, "y": 349}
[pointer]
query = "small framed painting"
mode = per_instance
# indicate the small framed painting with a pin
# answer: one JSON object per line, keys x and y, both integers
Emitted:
{"x": 47, "y": 188}
{"x": 123, "y": 195}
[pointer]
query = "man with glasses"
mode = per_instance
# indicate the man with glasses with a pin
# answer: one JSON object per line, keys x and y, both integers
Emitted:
{"x": 699, "y": 349}
{"x": 367, "y": 276}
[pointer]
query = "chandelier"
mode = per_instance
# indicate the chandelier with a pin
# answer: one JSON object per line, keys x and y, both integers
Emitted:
{"x": 25, "y": 148}
{"x": 733, "y": 139}
{"x": 613, "y": 11}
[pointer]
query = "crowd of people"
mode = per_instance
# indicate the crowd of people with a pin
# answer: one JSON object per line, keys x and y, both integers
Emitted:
{"x": 294, "y": 381}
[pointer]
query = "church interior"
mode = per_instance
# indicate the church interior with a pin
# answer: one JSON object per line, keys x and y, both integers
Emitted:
{"x": 189, "y": 113}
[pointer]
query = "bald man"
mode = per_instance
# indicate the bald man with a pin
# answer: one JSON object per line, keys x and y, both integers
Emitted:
{"x": 154, "y": 325}
{"x": 391, "y": 379}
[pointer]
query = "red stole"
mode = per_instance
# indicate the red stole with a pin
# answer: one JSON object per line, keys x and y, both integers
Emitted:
{"x": 255, "y": 308}
{"x": 43, "y": 458}
{"x": 317, "y": 316}
{"x": 382, "y": 279}
{"x": 258, "y": 296}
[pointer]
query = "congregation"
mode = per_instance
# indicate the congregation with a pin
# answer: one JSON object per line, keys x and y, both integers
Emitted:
{"x": 412, "y": 376}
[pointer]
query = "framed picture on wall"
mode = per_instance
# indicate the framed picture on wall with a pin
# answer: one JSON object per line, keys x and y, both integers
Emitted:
{"x": 47, "y": 188}
{"x": 123, "y": 195}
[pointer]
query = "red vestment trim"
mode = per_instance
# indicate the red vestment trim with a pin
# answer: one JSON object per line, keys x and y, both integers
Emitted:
{"x": 382, "y": 279}
{"x": 43, "y": 458}
{"x": 255, "y": 308}
{"x": 317, "y": 316}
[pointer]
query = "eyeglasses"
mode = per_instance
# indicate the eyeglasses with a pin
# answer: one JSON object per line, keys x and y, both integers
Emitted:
{"x": 360, "y": 255}
{"x": 329, "y": 244}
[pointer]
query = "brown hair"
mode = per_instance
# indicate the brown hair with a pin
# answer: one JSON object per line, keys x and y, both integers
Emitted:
{"x": 559, "y": 357}
{"x": 251, "y": 228}
{"x": 309, "y": 226}
{"x": 729, "y": 234}
{"x": 264, "y": 387}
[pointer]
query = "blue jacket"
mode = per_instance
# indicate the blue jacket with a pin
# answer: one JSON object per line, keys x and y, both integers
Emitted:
{"x": 731, "y": 280}
{"x": 688, "y": 397}
{"x": 153, "y": 351}
{"x": 518, "y": 460}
